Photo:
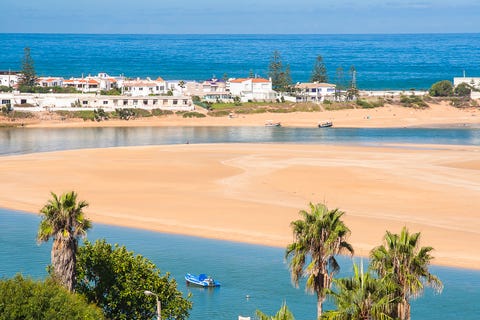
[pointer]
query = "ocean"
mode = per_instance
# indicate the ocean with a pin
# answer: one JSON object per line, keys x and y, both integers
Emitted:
{"x": 257, "y": 271}
{"x": 382, "y": 61}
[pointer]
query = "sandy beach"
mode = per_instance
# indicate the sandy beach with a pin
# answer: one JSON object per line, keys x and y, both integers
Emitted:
{"x": 251, "y": 192}
{"x": 438, "y": 115}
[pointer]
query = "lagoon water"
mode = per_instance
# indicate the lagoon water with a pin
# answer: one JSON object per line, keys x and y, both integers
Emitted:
{"x": 382, "y": 61}
{"x": 257, "y": 271}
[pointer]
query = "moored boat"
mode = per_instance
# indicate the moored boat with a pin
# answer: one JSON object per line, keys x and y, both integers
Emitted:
{"x": 271, "y": 123}
{"x": 325, "y": 124}
{"x": 202, "y": 280}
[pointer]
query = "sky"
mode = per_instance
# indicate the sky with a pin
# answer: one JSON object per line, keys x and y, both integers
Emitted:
{"x": 239, "y": 17}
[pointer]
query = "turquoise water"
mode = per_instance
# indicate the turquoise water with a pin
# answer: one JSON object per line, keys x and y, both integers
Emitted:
{"x": 257, "y": 271}
{"x": 393, "y": 61}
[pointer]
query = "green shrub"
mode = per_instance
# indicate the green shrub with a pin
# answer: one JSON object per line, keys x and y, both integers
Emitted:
{"x": 219, "y": 113}
{"x": 463, "y": 90}
{"x": 160, "y": 112}
{"x": 6, "y": 89}
{"x": 442, "y": 88}
{"x": 142, "y": 113}
{"x": 413, "y": 102}
{"x": 193, "y": 115}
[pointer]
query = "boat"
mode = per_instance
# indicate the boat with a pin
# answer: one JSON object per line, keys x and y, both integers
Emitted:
{"x": 202, "y": 280}
{"x": 325, "y": 124}
{"x": 271, "y": 123}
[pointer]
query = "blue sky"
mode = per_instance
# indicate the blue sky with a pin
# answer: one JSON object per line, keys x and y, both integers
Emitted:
{"x": 243, "y": 16}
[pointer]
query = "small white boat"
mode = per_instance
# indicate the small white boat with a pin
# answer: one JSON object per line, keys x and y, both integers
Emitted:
{"x": 271, "y": 123}
{"x": 202, "y": 280}
{"x": 325, "y": 124}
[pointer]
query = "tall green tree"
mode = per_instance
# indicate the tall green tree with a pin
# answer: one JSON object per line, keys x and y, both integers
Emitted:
{"x": 339, "y": 82}
{"x": 283, "y": 314}
{"x": 361, "y": 297}
{"x": 352, "y": 91}
{"x": 28, "y": 76}
{"x": 401, "y": 261}
{"x": 115, "y": 279}
{"x": 320, "y": 236}
{"x": 319, "y": 72}
{"x": 280, "y": 74}
{"x": 24, "y": 298}
{"x": 63, "y": 220}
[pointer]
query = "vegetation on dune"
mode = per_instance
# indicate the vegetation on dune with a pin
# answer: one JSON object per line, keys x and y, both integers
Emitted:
{"x": 320, "y": 236}
{"x": 63, "y": 220}
{"x": 412, "y": 101}
{"x": 115, "y": 279}
{"x": 24, "y": 298}
{"x": 442, "y": 88}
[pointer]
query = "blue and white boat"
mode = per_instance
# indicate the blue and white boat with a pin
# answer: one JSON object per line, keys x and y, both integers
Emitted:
{"x": 202, "y": 280}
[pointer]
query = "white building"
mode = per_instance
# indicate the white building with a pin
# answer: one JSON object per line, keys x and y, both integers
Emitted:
{"x": 51, "y": 102}
{"x": 9, "y": 78}
{"x": 140, "y": 87}
{"x": 315, "y": 92}
{"x": 251, "y": 89}
{"x": 50, "y": 82}
{"x": 472, "y": 81}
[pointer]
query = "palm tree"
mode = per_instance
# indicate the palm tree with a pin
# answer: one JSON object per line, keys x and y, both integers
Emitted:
{"x": 283, "y": 314}
{"x": 319, "y": 236}
{"x": 64, "y": 221}
{"x": 361, "y": 297}
{"x": 401, "y": 261}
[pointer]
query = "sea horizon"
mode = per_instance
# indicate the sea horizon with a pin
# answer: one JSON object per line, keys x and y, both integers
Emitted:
{"x": 390, "y": 61}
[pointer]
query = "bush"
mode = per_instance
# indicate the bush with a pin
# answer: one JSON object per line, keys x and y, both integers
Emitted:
{"x": 23, "y": 298}
{"x": 463, "y": 90}
{"x": 6, "y": 89}
{"x": 82, "y": 114}
{"x": 193, "y": 115}
{"x": 111, "y": 92}
{"x": 413, "y": 102}
{"x": 442, "y": 88}
{"x": 160, "y": 112}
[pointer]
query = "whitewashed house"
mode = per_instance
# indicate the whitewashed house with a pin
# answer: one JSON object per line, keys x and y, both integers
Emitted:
{"x": 314, "y": 91}
{"x": 50, "y": 82}
{"x": 251, "y": 89}
{"x": 82, "y": 84}
{"x": 54, "y": 101}
{"x": 9, "y": 78}
{"x": 140, "y": 87}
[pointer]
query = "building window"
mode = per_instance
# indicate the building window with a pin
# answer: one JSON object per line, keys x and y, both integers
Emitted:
{"x": 145, "y": 102}
{"x": 154, "y": 101}
{"x": 165, "y": 102}
{"x": 175, "y": 102}
{"x": 105, "y": 102}
{"x": 140, "y": 89}
{"x": 23, "y": 101}
{"x": 185, "y": 102}
{"x": 125, "y": 102}
{"x": 5, "y": 101}
{"x": 135, "y": 102}
{"x": 84, "y": 102}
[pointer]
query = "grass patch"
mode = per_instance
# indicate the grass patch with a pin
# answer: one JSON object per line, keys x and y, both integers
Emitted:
{"x": 193, "y": 115}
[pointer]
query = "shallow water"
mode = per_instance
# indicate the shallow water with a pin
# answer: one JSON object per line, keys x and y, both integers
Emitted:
{"x": 257, "y": 271}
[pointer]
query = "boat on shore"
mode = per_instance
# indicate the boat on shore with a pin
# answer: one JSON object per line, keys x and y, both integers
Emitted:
{"x": 202, "y": 280}
{"x": 271, "y": 123}
{"x": 325, "y": 124}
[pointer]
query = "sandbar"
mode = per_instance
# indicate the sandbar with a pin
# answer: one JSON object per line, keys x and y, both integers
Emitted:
{"x": 251, "y": 192}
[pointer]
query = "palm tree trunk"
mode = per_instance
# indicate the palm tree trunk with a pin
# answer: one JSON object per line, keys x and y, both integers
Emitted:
{"x": 64, "y": 261}
{"x": 319, "y": 305}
